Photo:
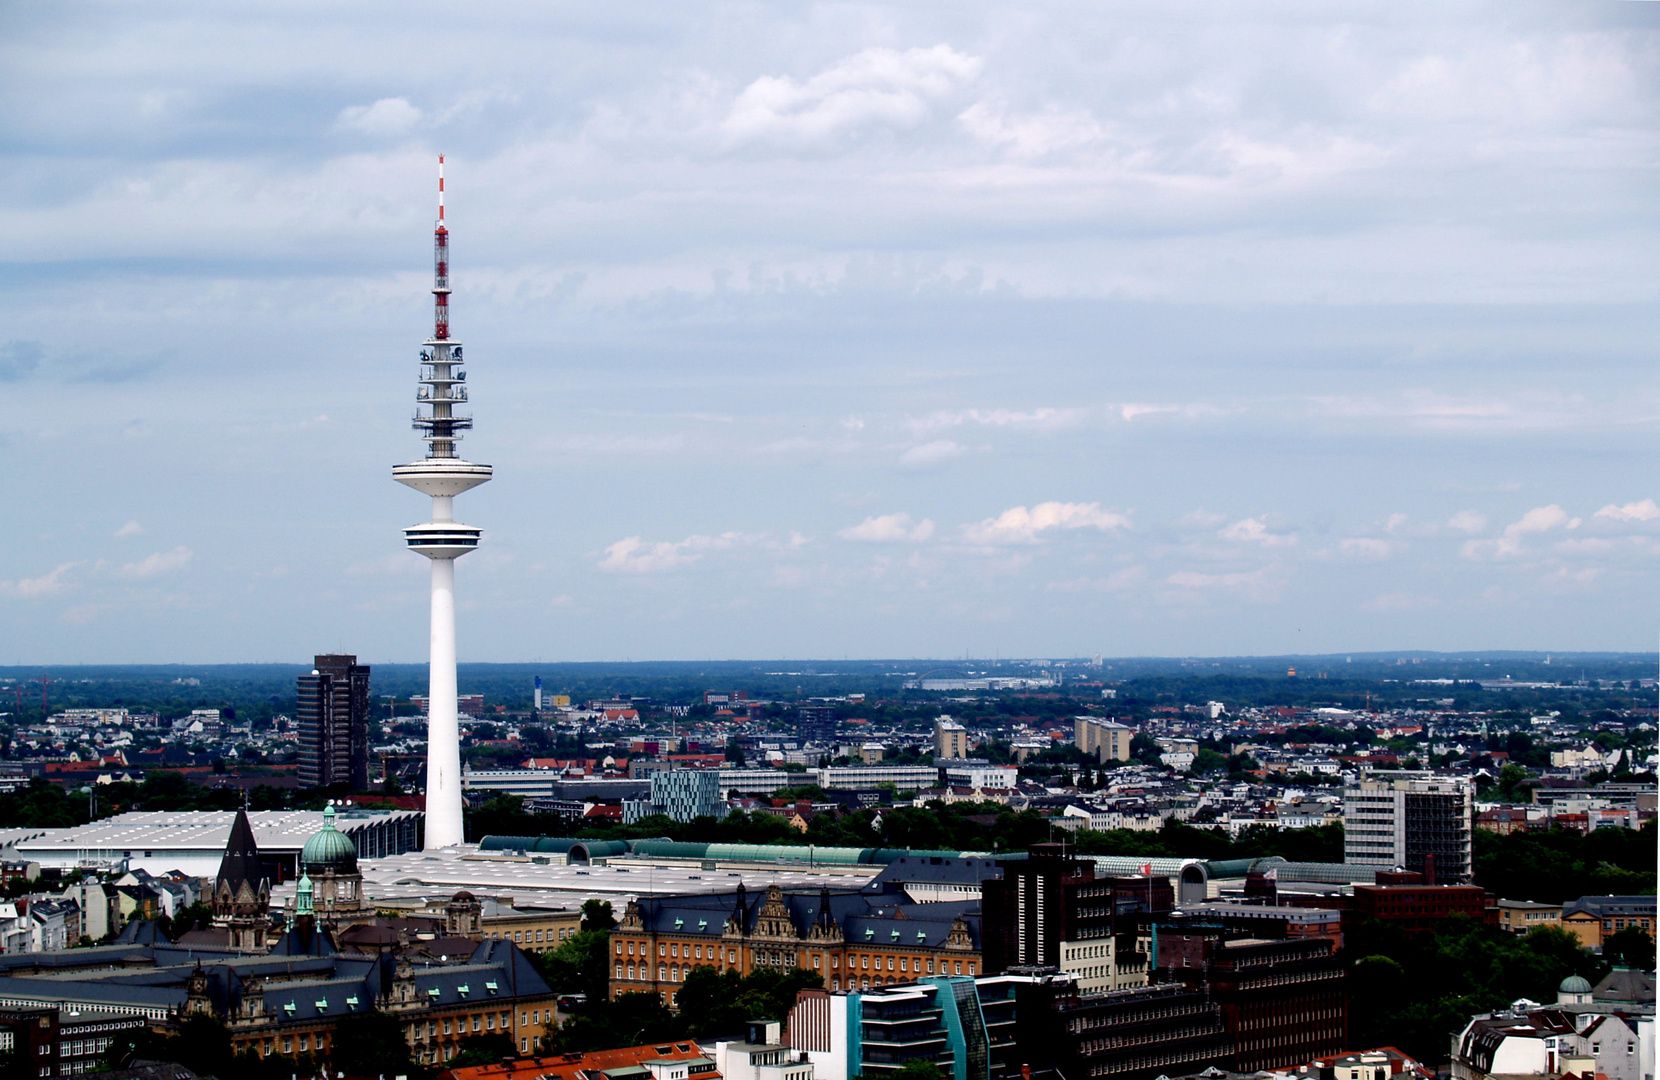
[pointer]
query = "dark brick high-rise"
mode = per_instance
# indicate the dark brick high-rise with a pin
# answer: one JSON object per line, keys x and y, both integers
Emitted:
{"x": 334, "y": 723}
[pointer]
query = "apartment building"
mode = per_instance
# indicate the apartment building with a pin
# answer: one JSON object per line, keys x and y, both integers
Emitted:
{"x": 1413, "y": 820}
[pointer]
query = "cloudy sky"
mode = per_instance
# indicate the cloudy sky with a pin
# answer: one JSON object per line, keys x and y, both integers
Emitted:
{"x": 812, "y": 330}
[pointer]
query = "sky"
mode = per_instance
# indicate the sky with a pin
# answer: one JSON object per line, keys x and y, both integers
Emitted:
{"x": 812, "y": 330}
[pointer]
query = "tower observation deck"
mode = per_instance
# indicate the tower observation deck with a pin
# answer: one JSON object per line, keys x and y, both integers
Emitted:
{"x": 442, "y": 474}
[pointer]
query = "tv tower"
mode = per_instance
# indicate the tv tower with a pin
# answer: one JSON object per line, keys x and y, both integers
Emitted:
{"x": 443, "y": 475}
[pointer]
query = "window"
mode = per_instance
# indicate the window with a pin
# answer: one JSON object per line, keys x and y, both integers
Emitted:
{"x": 959, "y": 967}
{"x": 619, "y": 971}
{"x": 630, "y": 949}
{"x": 662, "y": 949}
{"x": 490, "y": 1022}
{"x": 446, "y": 1026}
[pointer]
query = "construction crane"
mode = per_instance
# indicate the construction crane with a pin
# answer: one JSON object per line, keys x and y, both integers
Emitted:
{"x": 44, "y": 681}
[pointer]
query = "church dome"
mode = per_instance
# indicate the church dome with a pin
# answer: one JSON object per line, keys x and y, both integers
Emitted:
{"x": 1574, "y": 984}
{"x": 330, "y": 849}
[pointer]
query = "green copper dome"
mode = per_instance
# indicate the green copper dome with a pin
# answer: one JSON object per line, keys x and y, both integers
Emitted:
{"x": 1574, "y": 984}
{"x": 330, "y": 849}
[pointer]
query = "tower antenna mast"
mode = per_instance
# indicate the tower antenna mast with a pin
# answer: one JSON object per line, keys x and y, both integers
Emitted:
{"x": 443, "y": 475}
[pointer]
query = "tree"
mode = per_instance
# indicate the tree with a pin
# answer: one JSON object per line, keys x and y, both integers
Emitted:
{"x": 578, "y": 965}
{"x": 1631, "y": 947}
{"x": 918, "y": 1070}
{"x": 372, "y": 1044}
{"x": 482, "y": 1050}
{"x": 596, "y": 915}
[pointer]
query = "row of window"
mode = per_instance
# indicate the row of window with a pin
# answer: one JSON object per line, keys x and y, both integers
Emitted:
{"x": 532, "y": 937}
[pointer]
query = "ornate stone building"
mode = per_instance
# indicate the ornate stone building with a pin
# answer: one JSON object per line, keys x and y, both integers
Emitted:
{"x": 242, "y": 892}
{"x": 853, "y": 939}
{"x": 330, "y": 891}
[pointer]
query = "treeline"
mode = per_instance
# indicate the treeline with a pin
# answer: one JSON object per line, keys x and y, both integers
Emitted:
{"x": 1561, "y": 864}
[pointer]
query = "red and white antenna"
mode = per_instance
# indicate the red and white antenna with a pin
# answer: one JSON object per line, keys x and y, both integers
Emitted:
{"x": 441, "y": 267}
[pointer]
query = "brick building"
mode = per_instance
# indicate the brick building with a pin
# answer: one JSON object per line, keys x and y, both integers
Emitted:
{"x": 852, "y": 939}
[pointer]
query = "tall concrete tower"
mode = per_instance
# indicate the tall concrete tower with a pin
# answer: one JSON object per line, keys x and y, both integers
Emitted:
{"x": 443, "y": 475}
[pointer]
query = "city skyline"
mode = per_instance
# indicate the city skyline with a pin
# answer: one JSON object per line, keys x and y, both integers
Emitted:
{"x": 933, "y": 332}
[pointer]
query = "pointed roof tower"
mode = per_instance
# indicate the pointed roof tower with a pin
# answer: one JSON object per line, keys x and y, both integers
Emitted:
{"x": 241, "y": 862}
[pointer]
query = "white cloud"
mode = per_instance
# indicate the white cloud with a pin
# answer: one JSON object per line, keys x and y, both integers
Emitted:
{"x": 1365, "y": 547}
{"x": 1255, "y": 531}
{"x": 1033, "y": 134}
{"x": 388, "y": 116}
{"x": 1045, "y": 418}
{"x": 131, "y": 528}
{"x": 1018, "y": 525}
{"x": 1395, "y": 522}
{"x": 1192, "y": 579}
{"x": 162, "y": 562}
{"x": 1635, "y": 511}
{"x": 876, "y": 87}
{"x": 932, "y": 453}
{"x": 1468, "y": 521}
{"x": 889, "y": 528}
{"x": 634, "y": 556}
{"x": 44, "y": 585}
{"x": 1538, "y": 520}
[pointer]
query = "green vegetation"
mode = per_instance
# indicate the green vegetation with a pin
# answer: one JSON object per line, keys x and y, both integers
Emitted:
{"x": 1561, "y": 864}
{"x": 719, "y": 1002}
{"x": 1415, "y": 992}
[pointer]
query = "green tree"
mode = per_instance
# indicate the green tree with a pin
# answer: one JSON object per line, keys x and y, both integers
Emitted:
{"x": 1631, "y": 947}
{"x": 372, "y": 1044}
{"x": 596, "y": 915}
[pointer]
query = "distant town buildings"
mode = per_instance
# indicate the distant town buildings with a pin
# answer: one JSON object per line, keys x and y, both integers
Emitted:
{"x": 1103, "y": 740}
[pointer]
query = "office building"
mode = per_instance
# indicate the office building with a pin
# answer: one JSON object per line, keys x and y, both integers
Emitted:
{"x": 1283, "y": 1002}
{"x": 333, "y": 721}
{"x": 1051, "y": 910}
{"x": 950, "y": 739}
{"x": 1135, "y": 1034}
{"x": 1416, "y": 821}
{"x": 681, "y": 795}
{"x": 1103, "y": 739}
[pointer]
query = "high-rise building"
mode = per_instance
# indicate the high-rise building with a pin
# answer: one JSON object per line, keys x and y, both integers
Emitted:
{"x": 443, "y": 475}
{"x": 816, "y": 724}
{"x": 950, "y": 739}
{"x": 1104, "y": 739}
{"x": 1417, "y": 821}
{"x": 333, "y": 718}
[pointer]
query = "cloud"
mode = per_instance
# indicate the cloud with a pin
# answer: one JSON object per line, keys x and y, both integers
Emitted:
{"x": 131, "y": 528}
{"x": 1042, "y": 418}
{"x": 932, "y": 453}
{"x": 1255, "y": 531}
{"x": 1636, "y": 511}
{"x": 1192, "y": 579}
{"x": 1365, "y": 547}
{"x": 1019, "y": 525}
{"x": 162, "y": 562}
{"x": 631, "y": 555}
{"x": 388, "y": 116}
{"x": 1538, "y": 520}
{"x": 1032, "y": 135}
{"x": 889, "y": 528}
{"x": 1469, "y": 521}
{"x": 874, "y": 88}
{"x": 19, "y": 359}
{"x": 44, "y": 585}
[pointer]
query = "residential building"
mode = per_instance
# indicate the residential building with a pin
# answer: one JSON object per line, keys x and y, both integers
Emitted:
{"x": 1550, "y": 1042}
{"x": 660, "y": 1061}
{"x": 333, "y": 719}
{"x": 48, "y": 1044}
{"x": 965, "y": 1026}
{"x": 852, "y": 939}
{"x": 950, "y": 739}
{"x": 976, "y": 773}
{"x": 1106, "y": 740}
{"x": 816, "y": 724}
{"x": 100, "y": 915}
{"x": 1520, "y": 916}
{"x": 1593, "y": 919}
{"x": 1412, "y": 820}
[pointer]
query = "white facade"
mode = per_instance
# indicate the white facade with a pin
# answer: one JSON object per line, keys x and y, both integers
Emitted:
{"x": 1383, "y": 812}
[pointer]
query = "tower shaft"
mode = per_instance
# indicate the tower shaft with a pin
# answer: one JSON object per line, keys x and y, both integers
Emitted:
{"x": 442, "y": 475}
